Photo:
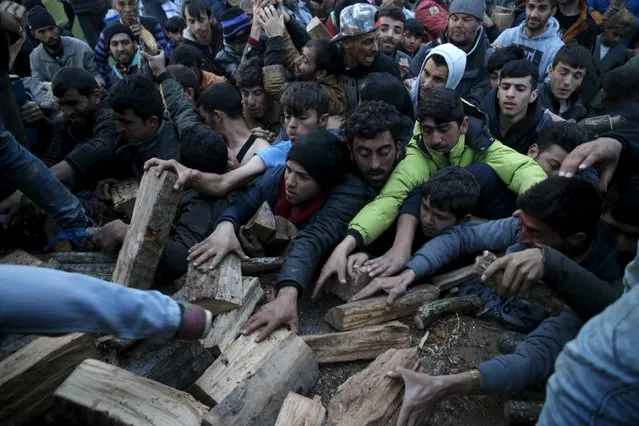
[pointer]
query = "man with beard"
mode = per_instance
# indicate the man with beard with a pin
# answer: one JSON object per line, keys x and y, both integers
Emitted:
{"x": 124, "y": 50}
{"x": 260, "y": 109}
{"x": 390, "y": 22}
{"x": 55, "y": 51}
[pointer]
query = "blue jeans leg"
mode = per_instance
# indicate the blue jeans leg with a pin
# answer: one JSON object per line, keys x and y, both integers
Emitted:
{"x": 46, "y": 301}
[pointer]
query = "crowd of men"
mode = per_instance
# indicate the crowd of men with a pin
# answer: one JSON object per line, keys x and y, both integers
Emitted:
{"x": 415, "y": 135}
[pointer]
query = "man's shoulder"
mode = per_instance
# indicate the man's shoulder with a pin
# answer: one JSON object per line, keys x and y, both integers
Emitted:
{"x": 150, "y": 23}
{"x": 76, "y": 43}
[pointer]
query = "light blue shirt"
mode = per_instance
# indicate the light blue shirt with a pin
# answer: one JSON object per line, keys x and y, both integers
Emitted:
{"x": 275, "y": 155}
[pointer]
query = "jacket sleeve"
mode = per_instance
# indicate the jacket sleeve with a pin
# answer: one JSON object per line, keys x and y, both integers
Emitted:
{"x": 180, "y": 110}
{"x": 493, "y": 33}
{"x": 160, "y": 38}
{"x": 97, "y": 151}
{"x": 418, "y": 59}
{"x": 586, "y": 294}
{"x": 519, "y": 172}
{"x": 459, "y": 240}
{"x": 478, "y": 89}
{"x": 101, "y": 58}
{"x": 380, "y": 213}
{"x": 35, "y": 66}
{"x": 313, "y": 244}
{"x": 89, "y": 65}
{"x": 298, "y": 33}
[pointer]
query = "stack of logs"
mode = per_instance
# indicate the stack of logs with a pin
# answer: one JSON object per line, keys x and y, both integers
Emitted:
{"x": 227, "y": 378}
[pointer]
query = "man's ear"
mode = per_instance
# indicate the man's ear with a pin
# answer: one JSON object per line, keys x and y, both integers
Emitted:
{"x": 576, "y": 239}
{"x": 553, "y": 11}
{"x": 533, "y": 95}
{"x": 96, "y": 96}
{"x": 533, "y": 150}
{"x": 463, "y": 127}
{"x": 323, "y": 121}
{"x": 320, "y": 74}
{"x": 603, "y": 94}
{"x": 154, "y": 122}
{"x": 190, "y": 93}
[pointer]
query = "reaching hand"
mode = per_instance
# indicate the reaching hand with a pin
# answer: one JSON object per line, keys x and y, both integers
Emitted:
{"x": 356, "y": 261}
{"x": 103, "y": 189}
{"x": 31, "y": 112}
{"x": 111, "y": 236}
{"x": 602, "y": 153}
{"x": 389, "y": 264}
{"x": 280, "y": 311}
{"x": 335, "y": 265}
{"x": 521, "y": 271}
{"x": 185, "y": 175}
{"x": 216, "y": 246}
{"x": 272, "y": 22}
{"x": 263, "y": 134}
{"x": 11, "y": 206}
{"x": 394, "y": 286}
{"x": 250, "y": 244}
{"x": 420, "y": 397}
{"x": 157, "y": 63}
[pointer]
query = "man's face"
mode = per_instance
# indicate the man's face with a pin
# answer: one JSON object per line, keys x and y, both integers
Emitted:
{"x": 515, "y": 94}
{"x": 254, "y": 100}
{"x": 375, "y": 158}
{"x": 550, "y": 160}
{"x": 391, "y": 33}
{"x": 362, "y": 49}
{"x": 442, "y": 137}
{"x": 538, "y": 12}
{"x": 122, "y": 48}
{"x": 176, "y": 38}
{"x": 411, "y": 42}
{"x": 199, "y": 25}
{"x": 533, "y": 231}
{"x": 132, "y": 128}
{"x": 433, "y": 221}
{"x": 611, "y": 37}
{"x": 128, "y": 10}
{"x": 564, "y": 80}
{"x": 432, "y": 76}
{"x": 462, "y": 29}
{"x": 299, "y": 185}
{"x": 78, "y": 109}
{"x": 305, "y": 65}
{"x": 495, "y": 77}
{"x": 302, "y": 125}
{"x": 49, "y": 37}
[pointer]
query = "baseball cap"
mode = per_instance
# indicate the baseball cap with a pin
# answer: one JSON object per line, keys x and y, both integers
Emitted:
{"x": 356, "y": 20}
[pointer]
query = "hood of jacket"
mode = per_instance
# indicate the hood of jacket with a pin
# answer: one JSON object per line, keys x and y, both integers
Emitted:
{"x": 551, "y": 31}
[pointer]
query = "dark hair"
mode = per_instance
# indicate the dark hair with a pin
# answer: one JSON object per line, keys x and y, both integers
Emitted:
{"x": 249, "y": 74}
{"x": 553, "y": 3}
{"x": 187, "y": 55}
{"x": 625, "y": 207}
{"x": 442, "y": 105}
{"x": 73, "y": 78}
{"x": 564, "y": 134}
{"x": 566, "y": 205}
{"x": 521, "y": 68}
{"x": 574, "y": 55}
{"x": 371, "y": 118}
{"x": 139, "y": 94}
{"x": 300, "y": 96}
{"x": 439, "y": 60}
{"x": 222, "y": 97}
{"x": 175, "y": 24}
{"x": 501, "y": 57}
{"x": 327, "y": 57}
{"x": 186, "y": 77}
{"x": 381, "y": 86}
{"x": 452, "y": 189}
{"x": 392, "y": 12}
{"x": 203, "y": 149}
{"x": 621, "y": 84}
{"x": 196, "y": 8}
{"x": 414, "y": 27}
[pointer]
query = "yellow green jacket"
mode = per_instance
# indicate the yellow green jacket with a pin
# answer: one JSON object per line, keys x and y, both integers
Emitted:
{"x": 518, "y": 171}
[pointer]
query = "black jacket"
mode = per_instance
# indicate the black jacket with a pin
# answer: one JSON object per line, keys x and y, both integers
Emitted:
{"x": 208, "y": 51}
{"x": 577, "y": 110}
{"x": 354, "y": 77}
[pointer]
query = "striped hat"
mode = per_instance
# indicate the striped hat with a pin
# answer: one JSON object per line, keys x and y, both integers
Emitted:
{"x": 236, "y": 25}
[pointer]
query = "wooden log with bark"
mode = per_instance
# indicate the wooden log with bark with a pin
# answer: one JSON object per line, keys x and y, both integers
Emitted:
{"x": 522, "y": 412}
{"x": 316, "y": 29}
{"x": 453, "y": 278}
{"x": 299, "y": 410}
{"x": 358, "y": 344}
{"x": 29, "y": 376}
{"x": 285, "y": 232}
{"x": 374, "y": 310}
{"x": 370, "y": 396}
{"x": 249, "y": 382}
{"x": 21, "y": 257}
{"x": 153, "y": 214}
{"x": 354, "y": 283}
{"x": 97, "y": 393}
{"x": 104, "y": 271}
{"x": 261, "y": 265}
{"x": 123, "y": 194}
{"x": 82, "y": 257}
{"x": 218, "y": 290}
{"x": 430, "y": 311}
{"x": 262, "y": 225}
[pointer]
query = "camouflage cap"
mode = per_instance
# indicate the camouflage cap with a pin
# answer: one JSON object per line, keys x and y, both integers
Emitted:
{"x": 356, "y": 20}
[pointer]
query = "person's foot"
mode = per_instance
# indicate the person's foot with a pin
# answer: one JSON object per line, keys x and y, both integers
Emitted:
{"x": 509, "y": 340}
{"x": 196, "y": 322}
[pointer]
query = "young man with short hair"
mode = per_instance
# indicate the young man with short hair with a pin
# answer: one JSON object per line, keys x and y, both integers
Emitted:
{"x": 260, "y": 109}
{"x": 124, "y": 50}
{"x": 188, "y": 80}
{"x": 390, "y": 24}
{"x": 236, "y": 27}
{"x": 413, "y": 37}
{"x": 174, "y": 27}
{"x": 554, "y": 143}
{"x": 561, "y": 95}
{"x": 202, "y": 32}
{"x": 537, "y": 35}
{"x": 501, "y": 57}
{"x": 190, "y": 56}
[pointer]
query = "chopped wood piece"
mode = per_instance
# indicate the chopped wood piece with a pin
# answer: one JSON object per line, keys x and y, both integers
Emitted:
{"x": 29, "y": 377}
{"x": 83, "y": 257}
{"x": 430, "y": 311}
{"x": 370, "y": 397}
{"x": 152, "y": 218}
{"x": 362, "y": 343}
{"x": 250, "y": 380}
{"x": 316, "y": 29}
{"x": 261, "y": 265}
{"x": 539, "y": 293}
{"x": 21, "y": 257}
{"x": 227, "y": 326}
{"x": 522, "y": 412}
{"x": 453, "y": 278}
{"x": 354, "y": 283}
{"x": 299, "y": 410}
{"x": 106, "y": 343}
{"x": 285, "y": 231}
{"x": 104, "y": 271}
{"x": 219, "y": 290}
{"x": 123, "y": 194}
{"x": 262, "y": 224}
{"x": 373, "y": 311}
{"x": 97, "y": 393}
{"x": 12, "y": 343}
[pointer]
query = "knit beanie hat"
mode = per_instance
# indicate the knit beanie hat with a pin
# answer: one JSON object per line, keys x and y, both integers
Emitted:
{"x": 475, "y": 8}
{"x": 236, "y": 25}
{"x": 39, "y": 17}
{"x": 323, "y": 155}
{"x": 117, "y": 28}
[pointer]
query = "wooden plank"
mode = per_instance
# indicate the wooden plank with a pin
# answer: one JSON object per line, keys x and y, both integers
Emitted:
{"x": 219, "y": 290}
{"x": 299, "y": 410}
{"x": 362, "y": 343}
{"x": 354, "y": 283}
{"x": 370, "y": 397}
{"x": 250, "y": 381}
{"x": 12, "y": 343}
{"x": 453, "y": 278}
{"x": 21, "y": 257}
{"x": 29, "y": 377}
{"x": 123, "y": 194}
{"x": 262, "y": 224}
{"x": 152, "y": 218}
{"x": 82, "y": 257}
{"x": 104, "y": 271}
{"x": 261, "y": 265}
{"x": 374, "y": 310}
{"x": 285, "y": 231}
{"x": 227, "y": 326}
{"x": 316, "y": 29}
{"x": 97, "y": 393}
{"x": 430, "y": 311}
